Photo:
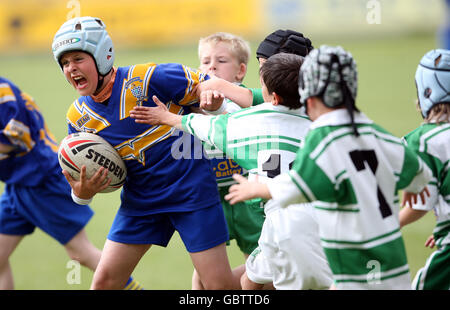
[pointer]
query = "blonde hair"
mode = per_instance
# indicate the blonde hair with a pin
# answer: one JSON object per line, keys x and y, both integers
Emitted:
{"x": 238, "y": 46}
{"x": 439, "y": 113}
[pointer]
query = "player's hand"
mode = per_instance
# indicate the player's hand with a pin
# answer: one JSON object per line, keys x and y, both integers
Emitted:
{"x": 246, "y": 190}
{"x": 211, "y": 100}
{"x": 150, "y": 115}
{"x": 411, "y": 198}
{"x": 86, "y": 188}
{"x": 430, "y": 243}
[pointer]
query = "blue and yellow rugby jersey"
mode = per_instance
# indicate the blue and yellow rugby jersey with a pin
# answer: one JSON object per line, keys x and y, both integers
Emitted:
{"x": 157, "y": 180}
{"x": 34, "y": 157}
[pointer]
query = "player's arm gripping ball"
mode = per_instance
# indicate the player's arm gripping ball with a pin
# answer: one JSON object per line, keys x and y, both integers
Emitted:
{"x": 86, "y": 188}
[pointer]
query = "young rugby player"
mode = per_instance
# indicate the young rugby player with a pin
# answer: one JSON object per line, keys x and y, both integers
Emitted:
{"x": 280, "y": 41}
{"x": 350, "y": 169}
{"x": 162, "y": 193}
{"x": 264, "y": 140}
{"x": 225, "y": 55}
{"x": 36, "y": 193}
{"x": 431, "y": 142}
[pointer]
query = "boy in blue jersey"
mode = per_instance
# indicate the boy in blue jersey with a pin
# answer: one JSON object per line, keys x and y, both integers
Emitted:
{"x": 36, "y": 193}
{"x": 162, "y": 192}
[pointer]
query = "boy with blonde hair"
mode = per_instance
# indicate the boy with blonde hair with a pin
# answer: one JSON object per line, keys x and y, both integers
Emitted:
{"x": 224, "y": 48}
{"x": 225, "y": 56}
{"x": 279, "y": 41}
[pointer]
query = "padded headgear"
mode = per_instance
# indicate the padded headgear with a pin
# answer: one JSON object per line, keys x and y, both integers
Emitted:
{"x": 284, "y": 41}
{"x": 433, "y": 79}
{"x": 330, "y": 73}
{"x": 87, "y": 34}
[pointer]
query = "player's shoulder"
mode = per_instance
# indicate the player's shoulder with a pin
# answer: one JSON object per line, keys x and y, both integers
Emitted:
{"x": 10, "y": 95}
{"x": 7, "y": 90}
{"x": 428, "y": 133}
{"x": 420, "y": 131}
{"x": 161, "y": 72}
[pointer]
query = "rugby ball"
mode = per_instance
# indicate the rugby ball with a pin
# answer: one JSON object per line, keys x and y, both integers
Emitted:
{"x": 93, "y": 151}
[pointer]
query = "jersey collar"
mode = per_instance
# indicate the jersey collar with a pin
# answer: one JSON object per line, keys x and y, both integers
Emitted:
{"x": 340, "y": 117}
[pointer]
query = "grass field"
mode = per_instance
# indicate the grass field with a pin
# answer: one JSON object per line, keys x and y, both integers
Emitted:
{"x": 386, "y": 94}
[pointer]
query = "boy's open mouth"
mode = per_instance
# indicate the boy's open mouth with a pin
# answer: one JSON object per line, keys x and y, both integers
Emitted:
{"x": 80, "y": 81}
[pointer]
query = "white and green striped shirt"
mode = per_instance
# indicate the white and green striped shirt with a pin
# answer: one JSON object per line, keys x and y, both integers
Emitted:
{"x": 264, "y": 139}
{"x": 353, "y": 182}
{"x": 432, "y": 142}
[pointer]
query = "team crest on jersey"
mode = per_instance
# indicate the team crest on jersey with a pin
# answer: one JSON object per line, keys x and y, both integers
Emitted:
{"x": 135, "y": 87}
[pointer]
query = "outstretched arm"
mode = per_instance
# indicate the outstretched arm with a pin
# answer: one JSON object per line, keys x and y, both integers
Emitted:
{"x": 408, "y": 214}
{"x": 159, "y": 115}
{"x": 239, "y": 95}
{"x": 246, "y": 190}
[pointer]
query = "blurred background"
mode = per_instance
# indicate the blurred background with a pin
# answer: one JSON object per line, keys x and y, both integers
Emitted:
{"x": 386, "y": 37}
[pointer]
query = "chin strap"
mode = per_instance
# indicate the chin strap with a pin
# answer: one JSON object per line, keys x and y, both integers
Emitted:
{"x": 105, "y": 93}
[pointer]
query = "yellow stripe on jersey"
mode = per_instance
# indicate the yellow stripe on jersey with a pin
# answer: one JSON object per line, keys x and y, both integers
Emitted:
{"x": 49, "y": 139}
{"x": 6, "y": 93}
{"x": 19, "y": 134}
{"x": 45, "y": 134}
{"x": 135, "y": 148}
{"x": 81, "y": 117}
{"x": 194, "y": 78}
{"x": 134, "y": 88}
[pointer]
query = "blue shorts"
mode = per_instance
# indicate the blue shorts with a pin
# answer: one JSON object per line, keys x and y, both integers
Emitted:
{"x": 200, "y": 229}
{"x": 48, "y": 206}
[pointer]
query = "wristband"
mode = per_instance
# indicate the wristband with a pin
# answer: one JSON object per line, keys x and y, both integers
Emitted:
{"x": 79, "y": 200}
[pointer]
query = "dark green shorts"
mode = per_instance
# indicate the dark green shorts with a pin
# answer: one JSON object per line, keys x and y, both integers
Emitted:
{"x": 244, "y": 220}
{"x": 435, "y": 275}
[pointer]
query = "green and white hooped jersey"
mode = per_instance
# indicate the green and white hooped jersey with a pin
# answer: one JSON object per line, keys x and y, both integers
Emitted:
{"x": 352, "y": 183}
{"x": 223, "y": 167}
{"x": 263, "y": 140}
{"x": 432, "y": 143}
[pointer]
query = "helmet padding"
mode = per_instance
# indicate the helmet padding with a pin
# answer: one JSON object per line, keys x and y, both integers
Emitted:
{"x": 87, "y": 34}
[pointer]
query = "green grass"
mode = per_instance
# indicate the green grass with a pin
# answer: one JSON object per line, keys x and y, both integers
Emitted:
{"x": 386, "y": 94}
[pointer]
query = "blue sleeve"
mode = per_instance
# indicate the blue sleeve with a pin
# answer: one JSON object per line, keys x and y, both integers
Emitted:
{"x": 9, "y": 109}
{"x": 176, "y": 83}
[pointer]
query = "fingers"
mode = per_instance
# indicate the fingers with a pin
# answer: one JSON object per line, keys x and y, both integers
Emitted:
{"x": 68, "y": 177}
{"x": 104, "y": 180}
{"x": 100, "y": 178}
{"x": 149, "y": 115}
{"x": 407, "y": 199}
{"x": 236, "y": 192}
{"x": 208, "y": 97}
{"x": 83, "y": 174}
{"x": 158, "y": 102}
{"x": 239, "y": 178}
{"x": 422, "y": 194}
{"x": 205, "y": 99}
{"x": 426, "y": 191}
{"x": 430, "y": 243}
{"x": 233, "y": 196}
